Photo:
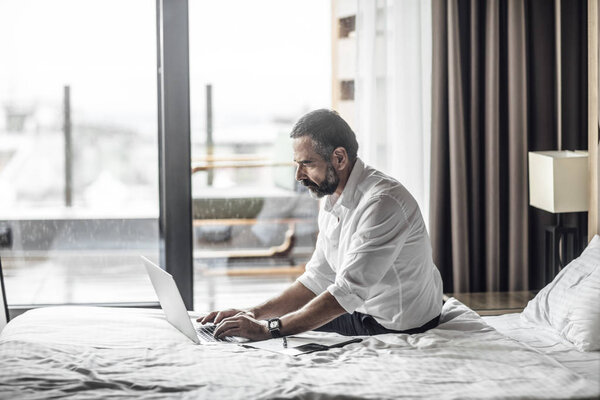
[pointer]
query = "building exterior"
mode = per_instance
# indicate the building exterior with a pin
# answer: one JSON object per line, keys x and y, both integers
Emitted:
{"x": 343, "y": 63}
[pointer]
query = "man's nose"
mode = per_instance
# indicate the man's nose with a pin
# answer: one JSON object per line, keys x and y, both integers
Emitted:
{"x": 300, "y": 173}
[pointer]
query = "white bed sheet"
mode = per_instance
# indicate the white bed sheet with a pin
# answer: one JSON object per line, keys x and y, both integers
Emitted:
{"x": 91, "y": 353}
{"x": 549, "y": 343}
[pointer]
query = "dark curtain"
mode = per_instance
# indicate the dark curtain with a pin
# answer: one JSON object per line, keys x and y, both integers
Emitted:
{"x": 494, "y": 98}
{"x": 575, "y": 92}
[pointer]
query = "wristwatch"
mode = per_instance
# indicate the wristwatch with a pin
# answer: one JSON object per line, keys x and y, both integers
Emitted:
{"x": 274, "y": 326}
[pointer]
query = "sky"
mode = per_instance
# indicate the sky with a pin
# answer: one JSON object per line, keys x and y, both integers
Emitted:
{"x": 265, "y": 59}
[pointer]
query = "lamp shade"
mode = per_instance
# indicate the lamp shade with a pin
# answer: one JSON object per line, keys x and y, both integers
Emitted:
{"x": 558, "y": 180}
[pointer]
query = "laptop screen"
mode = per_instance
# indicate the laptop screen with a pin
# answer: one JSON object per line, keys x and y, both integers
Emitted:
{"x": 4, "y": 310}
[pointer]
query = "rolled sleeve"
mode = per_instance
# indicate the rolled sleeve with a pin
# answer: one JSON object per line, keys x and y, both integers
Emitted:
{"x": 348, "y": 300}
{"x": 318, "y": 275}
{"x": 309, "y": 280}
{"x": 376, "y": 244}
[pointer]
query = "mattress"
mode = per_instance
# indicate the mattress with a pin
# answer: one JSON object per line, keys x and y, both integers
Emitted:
{"x": 548, "y": 342}
{"x": 91, "y": 353}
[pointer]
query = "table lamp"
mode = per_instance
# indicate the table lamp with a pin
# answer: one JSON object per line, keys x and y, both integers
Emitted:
{"x": 558, "y": 183}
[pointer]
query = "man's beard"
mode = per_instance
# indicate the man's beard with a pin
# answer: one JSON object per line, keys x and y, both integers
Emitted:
{"x": 327, "y": 187}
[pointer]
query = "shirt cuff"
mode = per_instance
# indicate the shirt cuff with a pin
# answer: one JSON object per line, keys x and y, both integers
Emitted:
{"x": 349, "y": 301}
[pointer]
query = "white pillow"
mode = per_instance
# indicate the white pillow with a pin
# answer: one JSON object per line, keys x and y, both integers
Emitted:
{"x": 570, "y": 304}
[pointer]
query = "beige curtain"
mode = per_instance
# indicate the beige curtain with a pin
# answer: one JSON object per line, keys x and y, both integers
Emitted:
{"x": 493, "y": 99}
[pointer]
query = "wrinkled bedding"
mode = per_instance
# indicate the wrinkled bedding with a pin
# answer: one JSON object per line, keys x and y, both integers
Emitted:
{"x": 92, "y": 353}
{"x": 549, "y": 342}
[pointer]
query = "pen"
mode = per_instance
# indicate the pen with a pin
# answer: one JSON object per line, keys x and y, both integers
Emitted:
{"x": 284, "y": 342}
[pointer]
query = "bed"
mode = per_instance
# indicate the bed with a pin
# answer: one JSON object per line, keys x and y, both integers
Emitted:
{"x": 91, "y": 353}
{"x": 549, "y": 351}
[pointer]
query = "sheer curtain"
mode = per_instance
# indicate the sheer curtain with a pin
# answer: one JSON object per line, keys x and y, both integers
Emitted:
{"x": 393, "y": 91}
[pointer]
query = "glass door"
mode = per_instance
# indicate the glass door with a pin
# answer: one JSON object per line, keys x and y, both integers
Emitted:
{"x": 78, "y": 150}
{"x": 255, "y": 68}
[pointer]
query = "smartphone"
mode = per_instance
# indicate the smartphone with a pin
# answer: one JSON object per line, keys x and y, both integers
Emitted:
{"x": 310, "y": 347}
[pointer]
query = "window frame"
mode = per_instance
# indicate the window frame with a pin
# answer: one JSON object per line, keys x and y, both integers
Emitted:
{"x": 174, "y": 145}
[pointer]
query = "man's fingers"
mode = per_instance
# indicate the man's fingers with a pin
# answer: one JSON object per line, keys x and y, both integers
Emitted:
{"x": 230, "y": 332}
{"x": 233, "y": 322}
{"x": 242, "y": 325}
{"x": 231, "y": 318}
{"x": 220, "y": 317}
{"x": 224, "y": 328}
{"x": 207, "y": 318}
{"x": 217, "y": 316}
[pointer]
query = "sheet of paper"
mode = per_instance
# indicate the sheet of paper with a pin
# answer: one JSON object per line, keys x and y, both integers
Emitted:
{"x": 295, "y": 341}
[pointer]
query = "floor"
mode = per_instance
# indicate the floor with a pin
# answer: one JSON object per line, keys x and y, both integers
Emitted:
{"x": 495, "y": 303}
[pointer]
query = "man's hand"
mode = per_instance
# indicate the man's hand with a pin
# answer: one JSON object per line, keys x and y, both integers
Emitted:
{"x": 217, "y": 316}
{"x": 242, "y": 324}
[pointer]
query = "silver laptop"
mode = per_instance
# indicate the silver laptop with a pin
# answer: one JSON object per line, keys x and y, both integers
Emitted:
{"x": 175, "y": 311}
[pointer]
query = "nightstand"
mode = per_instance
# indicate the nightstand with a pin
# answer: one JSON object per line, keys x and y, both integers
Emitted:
{"x": 494, "y": 303}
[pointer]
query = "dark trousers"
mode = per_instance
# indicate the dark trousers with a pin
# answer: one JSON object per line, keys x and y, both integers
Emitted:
{"x": 359, "y": 324}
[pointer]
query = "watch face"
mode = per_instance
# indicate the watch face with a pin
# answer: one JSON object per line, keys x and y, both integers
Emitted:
{"x": 273, "y": 324}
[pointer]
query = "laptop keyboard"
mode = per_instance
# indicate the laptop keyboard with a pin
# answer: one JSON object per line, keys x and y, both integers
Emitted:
{"x": 206, "y": 333}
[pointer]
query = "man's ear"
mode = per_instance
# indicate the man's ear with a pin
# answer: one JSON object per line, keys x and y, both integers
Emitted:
{"x": 339, "y": 158}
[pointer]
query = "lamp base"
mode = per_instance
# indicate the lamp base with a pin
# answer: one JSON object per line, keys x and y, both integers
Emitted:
{"x": 560, "y": 239}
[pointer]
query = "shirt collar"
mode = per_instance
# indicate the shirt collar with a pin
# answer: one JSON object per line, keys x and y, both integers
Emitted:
{"x": 350, "y": 196}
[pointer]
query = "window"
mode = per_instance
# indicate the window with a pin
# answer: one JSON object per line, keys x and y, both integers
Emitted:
{"x": 347, "y": 26}
{"x": 255, "y": 68}
{"x": 78, "y": 150}
{"x": 79, "y": 146}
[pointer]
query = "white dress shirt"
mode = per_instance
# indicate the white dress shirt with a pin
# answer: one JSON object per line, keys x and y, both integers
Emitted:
{"x": 373, "y": 252}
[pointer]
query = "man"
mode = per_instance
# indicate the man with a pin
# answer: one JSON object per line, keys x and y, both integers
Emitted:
{"x": 371, "y": 271}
